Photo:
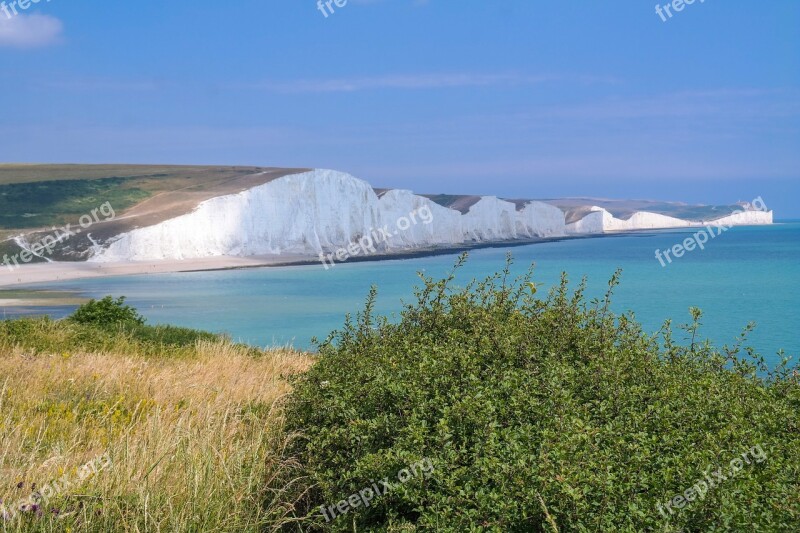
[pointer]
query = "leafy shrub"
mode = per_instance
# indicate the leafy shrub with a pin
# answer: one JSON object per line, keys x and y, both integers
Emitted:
{"x": 548, "y": 414}
{"x": 107, "y": 313}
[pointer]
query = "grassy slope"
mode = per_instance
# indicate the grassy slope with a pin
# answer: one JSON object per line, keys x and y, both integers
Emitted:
{"x": 37, "y": 197}
{"x": 21, "y": 173}
{"x": 33, "y": 196}
{"x": 189, "y": 427}
{"x": 49, "y": 203}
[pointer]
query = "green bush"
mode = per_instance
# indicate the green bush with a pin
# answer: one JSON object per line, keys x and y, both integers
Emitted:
{"x": 548, "y": 414}
{"x": 107, "y": 313}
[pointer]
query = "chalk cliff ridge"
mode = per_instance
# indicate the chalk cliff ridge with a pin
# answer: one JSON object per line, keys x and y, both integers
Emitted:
{"x": 323, "y": 210}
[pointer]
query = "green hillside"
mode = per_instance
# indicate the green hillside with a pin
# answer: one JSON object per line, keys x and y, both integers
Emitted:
{"x": 36, "y": 196}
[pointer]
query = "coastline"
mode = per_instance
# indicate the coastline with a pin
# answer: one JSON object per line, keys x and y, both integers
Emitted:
{"x": 42, "y": 273}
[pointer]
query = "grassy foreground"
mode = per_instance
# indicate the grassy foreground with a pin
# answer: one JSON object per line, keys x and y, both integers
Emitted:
{"x": 177, "y": 428}
{"x": 490, "y": 407}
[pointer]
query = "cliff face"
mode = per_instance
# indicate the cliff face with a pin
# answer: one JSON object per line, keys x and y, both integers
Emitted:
{"x": 601, "y": 221}
{"x": 323, "y": 210}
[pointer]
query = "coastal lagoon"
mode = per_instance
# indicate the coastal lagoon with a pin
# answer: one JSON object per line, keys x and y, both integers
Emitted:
{"x": 745, "y": 274}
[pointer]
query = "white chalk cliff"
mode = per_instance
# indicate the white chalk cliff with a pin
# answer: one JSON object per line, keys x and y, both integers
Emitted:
{"x": 600, "y": 220}
{"x": 324, "y": 210}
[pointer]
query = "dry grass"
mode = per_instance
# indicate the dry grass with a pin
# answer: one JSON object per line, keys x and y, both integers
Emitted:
{"x": 192, "y": 440}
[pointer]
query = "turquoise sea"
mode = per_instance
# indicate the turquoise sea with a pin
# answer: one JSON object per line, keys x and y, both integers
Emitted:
{"x": 745, "y": 274}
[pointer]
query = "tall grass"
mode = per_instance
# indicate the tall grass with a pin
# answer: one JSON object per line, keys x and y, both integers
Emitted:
{"x": 194, "y": 436}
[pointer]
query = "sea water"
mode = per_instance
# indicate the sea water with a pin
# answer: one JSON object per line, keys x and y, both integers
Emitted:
{"x": 745, "y": 274}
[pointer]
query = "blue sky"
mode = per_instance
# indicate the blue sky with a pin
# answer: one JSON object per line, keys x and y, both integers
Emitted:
{"x": 514, "y": 98}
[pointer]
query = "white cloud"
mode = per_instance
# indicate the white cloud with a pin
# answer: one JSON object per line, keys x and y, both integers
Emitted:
{"x": 29, "y": 31}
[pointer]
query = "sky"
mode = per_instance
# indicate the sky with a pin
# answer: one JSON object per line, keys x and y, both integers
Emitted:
{"x": 514, "y": 98}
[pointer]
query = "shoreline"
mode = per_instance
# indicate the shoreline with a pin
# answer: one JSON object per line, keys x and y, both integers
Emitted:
{"x": 55, "y": 272}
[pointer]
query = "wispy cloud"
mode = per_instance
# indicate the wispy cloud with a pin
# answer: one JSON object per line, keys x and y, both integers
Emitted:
{"x": 701, "y": 104}
{"x": 29, "y": 31}
{"x": 417, "y": 81}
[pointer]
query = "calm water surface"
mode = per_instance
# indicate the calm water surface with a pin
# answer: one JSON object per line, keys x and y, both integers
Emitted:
{"x": 746, "y": 274}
